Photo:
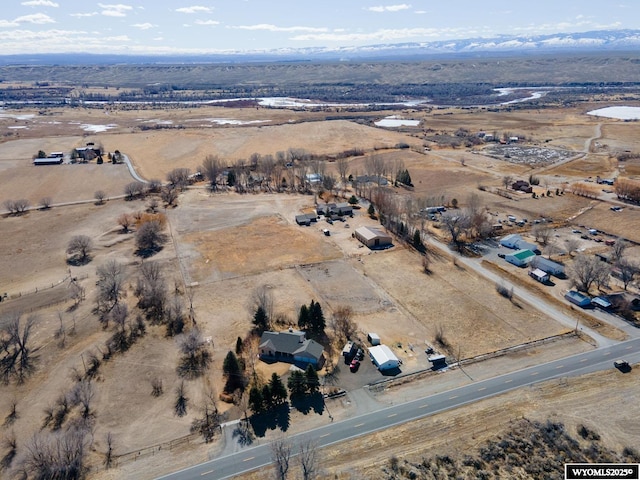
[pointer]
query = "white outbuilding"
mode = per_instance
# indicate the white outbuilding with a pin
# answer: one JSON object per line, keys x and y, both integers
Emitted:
{"x": 383, "y": 358}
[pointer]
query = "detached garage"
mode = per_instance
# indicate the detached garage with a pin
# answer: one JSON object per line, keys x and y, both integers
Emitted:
{"x": 383, "y": 358}
{"x": 372, "y": 237}
{"x": 520, "y": 258}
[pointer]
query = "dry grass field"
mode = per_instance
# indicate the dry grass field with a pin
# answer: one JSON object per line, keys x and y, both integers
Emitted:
{"x": 222, "y": 247}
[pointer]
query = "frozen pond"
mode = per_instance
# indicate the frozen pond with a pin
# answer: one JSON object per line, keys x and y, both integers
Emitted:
{"x": 621, "y": 113}
{"x": 394, "y": 121}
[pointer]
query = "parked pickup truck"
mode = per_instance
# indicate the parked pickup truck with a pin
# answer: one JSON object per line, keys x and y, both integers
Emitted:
{"x": 622, "y": 365}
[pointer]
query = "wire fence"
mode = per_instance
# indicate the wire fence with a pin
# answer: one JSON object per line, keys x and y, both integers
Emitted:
{"x": 151, "y": 450}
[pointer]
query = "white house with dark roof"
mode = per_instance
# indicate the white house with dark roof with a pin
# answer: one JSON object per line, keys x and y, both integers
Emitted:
{"x": 291, "y": 347}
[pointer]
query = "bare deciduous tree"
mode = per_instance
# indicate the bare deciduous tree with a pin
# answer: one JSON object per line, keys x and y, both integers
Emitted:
{"x": 169, "y": 195}
{"x": 16, "y": 357}
{"x": 180, "y": 406}
{"x": 456, "y": 223}
{"x": 60, "y": 455}
{"x": 110, "y": 284}
{"x": 342, "y": 323}
{"x": 263, "y": 298}
{"x": 125, "y": 221}
{"x": 587, "y": 270}
{"x": 80, "y": 247}
{"x": 17, "y": 207}
{"x": 156, "y": 387}
{"x": 309, "y": 459}
{"x": 617, "y": 250}
{"x": 571, "y": 245}
{"x": 196, "y": 355}
{"x": 133, "y": 190}
{"x": 281, "y": 450}
{"x": 542, "y": 233}
{"x": 211, "y": 169}
{"x": 343, "y": 169}
{"x": 108, "y": 455}
{"x": 210, "y": 419}
{"x": 82, "y": 394}
{"x": 628, "y": 271}
{"x": 100, "y": 195}
{"x": 507, "y": 180}
{"x": 153, "y": 205}
{"x": 151, "y": 291}
{"x": 149, "y": 238}
{"x": 10, "y": 445}
{"x": 376, "y": 166}
{"x": 178, "y": 178}
{"x": 45, "y": 203}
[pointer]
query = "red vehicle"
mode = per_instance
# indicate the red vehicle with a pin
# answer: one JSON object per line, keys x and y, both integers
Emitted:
{"x": 355, "y": 363}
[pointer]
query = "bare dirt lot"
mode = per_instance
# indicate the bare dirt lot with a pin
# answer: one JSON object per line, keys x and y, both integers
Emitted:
{"x": 221, "y": 247}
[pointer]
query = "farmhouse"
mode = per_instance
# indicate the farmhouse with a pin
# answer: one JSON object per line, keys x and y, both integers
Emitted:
{"x": 522, "y": 186}
{"x": 383, "y": 358}
{"x": 291, "y": 347}
{"x": 520, "y": 258}
{"x": 306, "y": 219}
{"x": 577, "y": 298}
{"x": 524, "y": 245}
{"x": 334, "y": 209}
{"x": 372, "y": 237}
{"x": 546, "y": 265}
{"x": 510, "y": 241}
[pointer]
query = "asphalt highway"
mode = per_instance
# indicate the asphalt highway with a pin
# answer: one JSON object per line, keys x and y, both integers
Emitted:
{"x": 253, "y": 458}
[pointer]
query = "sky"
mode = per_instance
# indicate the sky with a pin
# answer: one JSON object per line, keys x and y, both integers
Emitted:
{"x": 216, "y": 26}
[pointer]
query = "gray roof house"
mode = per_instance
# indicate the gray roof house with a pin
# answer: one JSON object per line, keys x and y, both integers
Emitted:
{"x": 291, "y": 347}
{"x": 548, "y": 266}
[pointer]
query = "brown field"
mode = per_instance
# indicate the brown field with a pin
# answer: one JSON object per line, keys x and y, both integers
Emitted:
{"x": 224, "y": 246}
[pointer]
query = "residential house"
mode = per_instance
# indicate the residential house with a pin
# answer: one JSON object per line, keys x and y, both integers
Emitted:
{"x": 521, "y": 258}
{"x": 291, "y": 347}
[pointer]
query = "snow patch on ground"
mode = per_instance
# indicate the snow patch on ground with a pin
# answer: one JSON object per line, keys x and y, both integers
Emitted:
{"x": 621, "y": 113}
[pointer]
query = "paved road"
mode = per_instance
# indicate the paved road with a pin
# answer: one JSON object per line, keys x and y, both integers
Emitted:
{"x": 259, "y": 456}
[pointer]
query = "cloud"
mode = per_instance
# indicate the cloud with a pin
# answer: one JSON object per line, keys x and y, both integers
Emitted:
{"x": 207, "y": 22}
{"x": 389, "y": 8}
{"x": 144, "y": 26}
{"x": 82, "y": 15}
{"x": 36, "y": 18}
{"x": 8, "y": 23}
{"x": 194, "y": 9}
{"x": 382, "y": 35}
{"x": 118, "y": 10}
{"x": 273, "y": 28}
{"x": 40, "y": 3}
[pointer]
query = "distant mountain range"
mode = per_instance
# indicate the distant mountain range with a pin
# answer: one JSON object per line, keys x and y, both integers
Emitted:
{"x": 595, "y": 41}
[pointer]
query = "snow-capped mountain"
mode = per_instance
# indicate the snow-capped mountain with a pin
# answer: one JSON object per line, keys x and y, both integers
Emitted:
{"x": 594, "y": 41}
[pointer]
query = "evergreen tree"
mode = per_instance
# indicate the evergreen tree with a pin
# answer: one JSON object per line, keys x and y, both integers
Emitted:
{"x": 278, "y": 390}
{"x": 239, "y": 346}
{"x": 260, "y": 320}
{"x": 371, "y": 210}
{"x": 232, "y": 370}
{"x": 231, "y": 178}
{"x": 353, "y": 200}
{"x": 267, "y": 397}
{"x": 304, "y": 318}
{"x": 297, "y": 384}
{"x": 256, "y": 400}
{"x": 317, "y": 321}
{"x": 312, "y": 380}
{"x": 417, "y": 239}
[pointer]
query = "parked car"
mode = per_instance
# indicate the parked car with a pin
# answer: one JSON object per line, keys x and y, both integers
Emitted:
{"x": 355, "y": 363}
{"x": 360, "y": 354}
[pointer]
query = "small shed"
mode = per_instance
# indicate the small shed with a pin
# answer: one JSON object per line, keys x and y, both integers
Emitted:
{"x": 383, "y": 358}
{"x": 539, "y": 275}
{"x": 372, "y": 237}
{"x": 578, "y": 298}
{"x": 521, "y": 258}
{"x": 546, "y": 265}
{"x": 48, "y": 161}
{"x": 373, "y": 338}
{"x": 510, "y": 241}
{"x": 438, "y": 361}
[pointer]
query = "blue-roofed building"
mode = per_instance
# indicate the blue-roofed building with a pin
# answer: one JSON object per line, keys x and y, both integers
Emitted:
{"x": 578, "y": 298}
